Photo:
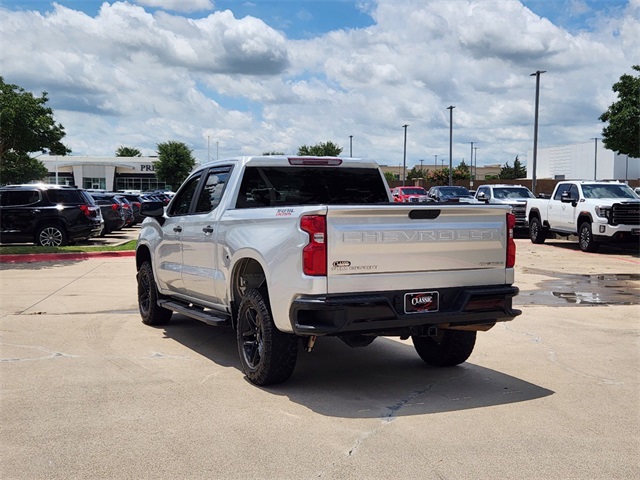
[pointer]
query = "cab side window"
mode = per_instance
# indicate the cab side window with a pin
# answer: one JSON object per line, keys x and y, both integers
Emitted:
{"x": 212, "y": 190}
{"x": 182, "y": 203}
{"x": 562, "y": 187}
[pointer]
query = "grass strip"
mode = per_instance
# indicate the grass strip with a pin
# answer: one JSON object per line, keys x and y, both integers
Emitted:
{"x": 33, "y": 249}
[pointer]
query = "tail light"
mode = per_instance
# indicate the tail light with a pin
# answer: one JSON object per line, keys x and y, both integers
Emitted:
{"x": 511, "y": 244}
{"x": 314, "y": 254}
{"x": 85, "y": 209}
{"x": 115, "y": 206}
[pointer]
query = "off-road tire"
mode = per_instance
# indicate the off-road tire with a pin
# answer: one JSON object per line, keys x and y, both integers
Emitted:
{"x": 585, "y": 238}
{"x": 537, "y": 232}
{"x": 448, "y": 348}
{"x": 150, "y": 311}
{"x": 52, "y": 236}
{"x": 268, "y": 356}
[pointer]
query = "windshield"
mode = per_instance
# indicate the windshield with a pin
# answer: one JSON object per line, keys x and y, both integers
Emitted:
{"x": 503, "y": 193}
{"x": 414, "y": 191}
{"x": 451, "y": 191}
{"x": 608, "y": 191}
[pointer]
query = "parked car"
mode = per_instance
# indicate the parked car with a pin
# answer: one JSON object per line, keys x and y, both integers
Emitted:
{"x": 48, "y": 215}
{"x": 514, "y": 195}
{"x": 129, "y": 216}
{"x": 136, "y": 202}
{"x": 409, "y": 194}
{"x": 112, "y": 211}
{"x": 450, "y": 194}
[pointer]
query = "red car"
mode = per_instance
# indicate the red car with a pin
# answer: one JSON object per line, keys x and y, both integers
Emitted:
{"x": 409, "y": 194}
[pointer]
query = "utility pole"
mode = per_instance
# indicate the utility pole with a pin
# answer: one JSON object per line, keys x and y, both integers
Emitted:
{"x": 404, "y": 161}
{"x": 595, "y": 159}
{"x": 535, "y": 129}
{"x": 471, "y": 166}
{"x": 450, "y": 108}
{"x": 351, "y": 145}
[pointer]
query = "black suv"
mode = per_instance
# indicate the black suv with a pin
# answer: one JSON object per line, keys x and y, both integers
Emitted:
{"x": 49, "y": 215}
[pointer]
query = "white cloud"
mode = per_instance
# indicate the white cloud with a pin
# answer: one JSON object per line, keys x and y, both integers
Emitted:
{"x": 131, "y": 77}
{"x": 186, "y": 6}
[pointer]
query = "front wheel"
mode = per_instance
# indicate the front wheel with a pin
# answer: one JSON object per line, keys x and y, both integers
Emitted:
{"x": 537, "y": 234}
{"x": 267, "y": 355}
{"x": 150, "y": 311}
{"x": 585, "y": 238}
{"x": 448, "y": 348}
{"x": 51, "y": 236}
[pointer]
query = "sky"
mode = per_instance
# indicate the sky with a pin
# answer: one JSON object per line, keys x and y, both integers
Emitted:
{"x": 232, "y": 78}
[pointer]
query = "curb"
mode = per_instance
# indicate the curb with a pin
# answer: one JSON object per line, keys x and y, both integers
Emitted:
{"x": 49, "y": 257}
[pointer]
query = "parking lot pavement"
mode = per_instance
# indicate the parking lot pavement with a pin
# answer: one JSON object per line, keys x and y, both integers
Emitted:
{"x": 88, "y": 391}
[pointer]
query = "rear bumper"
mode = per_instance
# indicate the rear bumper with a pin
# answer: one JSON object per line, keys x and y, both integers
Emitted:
{"x": 383, "y": 312}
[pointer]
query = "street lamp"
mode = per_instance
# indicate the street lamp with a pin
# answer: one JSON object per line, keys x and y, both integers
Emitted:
{"x": 421, "y": 171}
{"x": 535, "y": 129}
{"x": 475, "y": 154}
{"x": 351, "y": 145}
{"x": 595, "y": 159}
{"x": 450, "y": 108}
{"x": 436, "y": 163}
{"x": 471, "y": 183}
{"x": 404, "y": 161}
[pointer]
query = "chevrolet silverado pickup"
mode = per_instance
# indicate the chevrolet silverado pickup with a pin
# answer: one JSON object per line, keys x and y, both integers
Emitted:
{"x": 287, "y": 250}
{"x": 597, "y": 212}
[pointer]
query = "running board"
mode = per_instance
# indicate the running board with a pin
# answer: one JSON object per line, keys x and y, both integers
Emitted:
{"x": 207, "y": 316}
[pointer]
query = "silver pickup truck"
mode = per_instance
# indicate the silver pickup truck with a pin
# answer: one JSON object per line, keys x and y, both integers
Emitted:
{"x": 289, "y": 249}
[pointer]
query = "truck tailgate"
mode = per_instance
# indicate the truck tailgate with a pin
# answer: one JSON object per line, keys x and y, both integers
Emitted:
{"x": 387, "y": 247}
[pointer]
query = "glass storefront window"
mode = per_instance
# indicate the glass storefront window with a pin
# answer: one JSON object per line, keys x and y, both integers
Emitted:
{"x": 136, "y": 183}
{"x": 95, "y": 183}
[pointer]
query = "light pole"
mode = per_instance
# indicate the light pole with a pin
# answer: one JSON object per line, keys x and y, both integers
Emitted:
{"x": 436, "y": 163}
{"x": 421, "y": 171}
{"x": 217, "y": 151}
{"x": 471, "y": 183}
{"x": 535, "y": 129}
{"x": 450, "y": 108}
{"x": 595, "y": 159}
{"x": 208, "y": 148}
{"x": 475, "y": 154}
{"x": 351, "y": 145}
{"x": 404, "y": 160}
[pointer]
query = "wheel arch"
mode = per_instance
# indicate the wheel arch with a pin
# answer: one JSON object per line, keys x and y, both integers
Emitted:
{"x": 247, "y": 272}
{"x": 143, "y": 254}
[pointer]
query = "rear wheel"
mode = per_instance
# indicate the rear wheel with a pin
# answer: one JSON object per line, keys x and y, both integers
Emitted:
{"x": 51, "y": 236}
{"x": 585, "y": 238}
{"x": 267, "y": 355}
{"x": 448, "y": 348}
{"x": 150, "y": 311}
{"x": 537, "y": 233}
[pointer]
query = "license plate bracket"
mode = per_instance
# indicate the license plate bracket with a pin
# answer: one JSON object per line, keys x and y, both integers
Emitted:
{"x": 421, "y": 302}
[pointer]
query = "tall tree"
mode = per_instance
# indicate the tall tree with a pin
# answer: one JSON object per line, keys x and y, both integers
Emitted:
{"x": 511, "y": 173}
{"x": 417, "y": 172}
{"x": 128, "y": 152}
{"x": 27, "y": 126}
{"x": 622, "y": 135}
{"x": 175, "y": 162}
{"x": 328, "y": 149}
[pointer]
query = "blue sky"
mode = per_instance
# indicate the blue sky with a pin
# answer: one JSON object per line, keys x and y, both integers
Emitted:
{"x": 273, "y": 75}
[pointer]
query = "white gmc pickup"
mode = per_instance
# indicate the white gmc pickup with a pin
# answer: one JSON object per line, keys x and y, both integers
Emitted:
{"x": 597, "y": 212}
{"x": 289, "y": 249}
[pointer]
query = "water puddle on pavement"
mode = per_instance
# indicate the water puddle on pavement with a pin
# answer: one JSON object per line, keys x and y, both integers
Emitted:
{"x": 601, "y": 289}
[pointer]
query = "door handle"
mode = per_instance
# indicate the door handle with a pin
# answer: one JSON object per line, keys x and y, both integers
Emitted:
{"x": 207, "y": 229}
{"x": 177, "y": 229}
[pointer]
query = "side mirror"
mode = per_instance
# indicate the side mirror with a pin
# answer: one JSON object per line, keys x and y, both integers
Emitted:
{"x": 566, "y": 197}
{"x": 153, "y": 209}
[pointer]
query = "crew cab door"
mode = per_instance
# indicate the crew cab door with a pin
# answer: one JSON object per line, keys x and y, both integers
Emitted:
{"x": 200, "y": 272}
{"x": 562, "y": 212}
{"x": 169, "y": 263}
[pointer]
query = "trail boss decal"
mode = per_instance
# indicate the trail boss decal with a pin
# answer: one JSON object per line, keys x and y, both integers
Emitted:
{"x": 421, "y": 302}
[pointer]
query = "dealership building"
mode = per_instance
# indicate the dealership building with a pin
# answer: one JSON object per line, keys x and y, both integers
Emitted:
{"x": 107, "y": 173}
{"x": 583, "y": 161}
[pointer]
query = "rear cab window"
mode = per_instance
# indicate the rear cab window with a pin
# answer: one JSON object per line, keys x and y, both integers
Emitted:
{"x": 293, "y": 186}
